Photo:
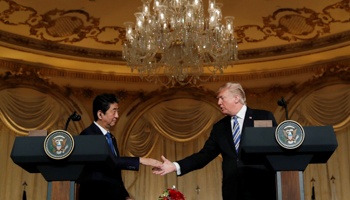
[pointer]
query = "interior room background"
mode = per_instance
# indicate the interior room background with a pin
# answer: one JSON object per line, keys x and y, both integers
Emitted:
{"x": 49, "y": 68}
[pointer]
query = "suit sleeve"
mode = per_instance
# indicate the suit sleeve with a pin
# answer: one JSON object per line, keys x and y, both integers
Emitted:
{"x": 203, "y": 157}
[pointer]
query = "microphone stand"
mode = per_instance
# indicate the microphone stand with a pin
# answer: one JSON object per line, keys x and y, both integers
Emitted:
{"x": 283, "y": 103}
{"x": 74, "y": 117}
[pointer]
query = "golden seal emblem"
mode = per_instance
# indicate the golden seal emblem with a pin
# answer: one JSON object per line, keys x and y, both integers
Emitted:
{"x": 290, "y": 134}
{"x": 59, "y": 144}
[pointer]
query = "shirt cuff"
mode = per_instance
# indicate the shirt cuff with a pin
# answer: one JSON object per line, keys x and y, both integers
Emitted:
{"x": 178, "y": 169}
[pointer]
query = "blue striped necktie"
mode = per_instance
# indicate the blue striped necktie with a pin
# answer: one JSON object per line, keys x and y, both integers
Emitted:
{"x": 109, "y": 140}
{"x": 236, "y": 133}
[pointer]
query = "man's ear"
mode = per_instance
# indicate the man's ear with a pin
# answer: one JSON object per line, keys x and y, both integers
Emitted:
{"x": 237, "y": 99}
{"x": 99, "y": 114}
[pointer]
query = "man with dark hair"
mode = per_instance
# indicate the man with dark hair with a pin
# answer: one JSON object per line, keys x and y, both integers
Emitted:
{"x": 240, "y": 181}
{"x": 108, "y": 185}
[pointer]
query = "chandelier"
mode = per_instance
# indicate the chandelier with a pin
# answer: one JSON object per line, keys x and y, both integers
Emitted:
{"x": 177, "y": 42}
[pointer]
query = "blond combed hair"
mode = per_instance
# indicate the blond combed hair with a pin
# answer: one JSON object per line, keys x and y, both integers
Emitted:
{"x": 234, "y": 89}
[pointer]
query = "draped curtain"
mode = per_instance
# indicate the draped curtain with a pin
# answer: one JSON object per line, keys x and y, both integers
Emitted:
{"x": 22, "y": 110}
{"x": 175, "y": 129}
{"x": 327, "y": 106}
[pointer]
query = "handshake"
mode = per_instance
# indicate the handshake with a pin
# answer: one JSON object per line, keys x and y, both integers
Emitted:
{"x": 159, "y": 168}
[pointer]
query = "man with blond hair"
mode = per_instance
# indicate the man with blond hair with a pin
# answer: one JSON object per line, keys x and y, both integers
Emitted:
{"x": 240, "y": 181}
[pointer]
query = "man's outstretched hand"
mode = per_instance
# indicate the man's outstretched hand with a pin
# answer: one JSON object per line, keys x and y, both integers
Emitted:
{"x": 166, "y": 168}
{"x": 150, "y": 162}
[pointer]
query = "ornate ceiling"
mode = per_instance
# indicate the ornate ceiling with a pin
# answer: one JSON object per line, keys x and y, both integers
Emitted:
{"x": 85, "y": 36}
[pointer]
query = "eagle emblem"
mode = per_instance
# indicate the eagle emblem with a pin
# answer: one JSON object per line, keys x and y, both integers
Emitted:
{"x": 290, "y": 133}
{"x": 59, "y": 143}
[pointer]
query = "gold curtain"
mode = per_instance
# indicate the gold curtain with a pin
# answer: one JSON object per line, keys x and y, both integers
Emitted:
{"x": 21, "y": 110}
{"x": 328, "y": 106}
{"x": 176, "y": 129}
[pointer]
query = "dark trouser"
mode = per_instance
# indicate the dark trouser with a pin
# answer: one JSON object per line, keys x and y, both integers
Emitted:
{"x": 256, "y": 184}
{"x": 96, "y": 190}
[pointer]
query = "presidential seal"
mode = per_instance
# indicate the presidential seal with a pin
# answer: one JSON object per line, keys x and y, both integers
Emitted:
{"x": 290, "y": 134}
{"x": 59, "y": 144}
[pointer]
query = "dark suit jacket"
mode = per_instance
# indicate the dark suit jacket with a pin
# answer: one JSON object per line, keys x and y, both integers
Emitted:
{"x": 112, "y": 178}
{"x": 240, "y": 182}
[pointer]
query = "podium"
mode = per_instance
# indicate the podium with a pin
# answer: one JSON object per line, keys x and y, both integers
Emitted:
{"x": 259, "y": 146}
{"x": 90, "y": 151}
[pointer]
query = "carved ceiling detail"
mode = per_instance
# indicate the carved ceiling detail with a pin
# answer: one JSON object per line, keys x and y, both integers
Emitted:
{"x": 302, "y": 24}
{"x": 57, "y": 27}
{"x": 75, "y": 25}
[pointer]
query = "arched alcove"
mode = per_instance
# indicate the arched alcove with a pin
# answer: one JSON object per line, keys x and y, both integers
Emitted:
{"x": 175, "y": 124}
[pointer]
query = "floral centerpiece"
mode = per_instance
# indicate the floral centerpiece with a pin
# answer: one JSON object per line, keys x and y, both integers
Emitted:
{"x": 171, "y": 194}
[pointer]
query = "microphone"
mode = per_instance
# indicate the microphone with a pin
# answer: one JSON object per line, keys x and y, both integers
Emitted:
{"x": 283, "y": 103}
{"x": 75, "y": 117}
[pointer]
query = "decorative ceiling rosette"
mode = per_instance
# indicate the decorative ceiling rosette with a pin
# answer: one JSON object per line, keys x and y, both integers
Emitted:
{"x": 68, "y": 26}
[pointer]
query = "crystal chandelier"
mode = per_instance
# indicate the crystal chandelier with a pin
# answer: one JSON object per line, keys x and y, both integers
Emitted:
{"x": 178, "y": 42}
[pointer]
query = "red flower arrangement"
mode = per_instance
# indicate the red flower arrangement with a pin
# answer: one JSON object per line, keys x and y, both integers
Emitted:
{"x": 171, "y": 194}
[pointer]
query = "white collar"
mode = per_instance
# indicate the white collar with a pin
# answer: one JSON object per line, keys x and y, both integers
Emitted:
{"x": 241, "y": 113}
{"x": 104, "y": 131}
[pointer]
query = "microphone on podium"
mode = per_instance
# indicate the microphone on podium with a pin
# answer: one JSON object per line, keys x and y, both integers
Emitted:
{"x": 74, "y": 117}
{"x": 283, "y": 103}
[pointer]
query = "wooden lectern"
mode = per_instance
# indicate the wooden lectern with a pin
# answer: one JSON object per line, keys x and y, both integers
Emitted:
{"x": 90, "y": 152}
{"x": 259, "y": 146}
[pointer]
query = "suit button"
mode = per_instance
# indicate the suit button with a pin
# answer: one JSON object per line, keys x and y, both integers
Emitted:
{"x": 237, "y": 159}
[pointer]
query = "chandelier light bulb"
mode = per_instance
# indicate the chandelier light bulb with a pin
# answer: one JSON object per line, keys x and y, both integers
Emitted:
{"x": 211, "y": 4}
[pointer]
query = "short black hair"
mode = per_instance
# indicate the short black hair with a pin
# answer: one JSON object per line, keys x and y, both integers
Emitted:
{"x": 103, "y": 102}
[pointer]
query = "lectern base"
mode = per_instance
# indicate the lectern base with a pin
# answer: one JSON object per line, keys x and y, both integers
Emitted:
{"x": 290, "y": 185}
{"x": 61, "y": 190}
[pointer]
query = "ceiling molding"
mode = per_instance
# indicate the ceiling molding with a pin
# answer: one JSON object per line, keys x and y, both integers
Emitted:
{"x": 14, "y": 41}
{"x": 317, "y": 69}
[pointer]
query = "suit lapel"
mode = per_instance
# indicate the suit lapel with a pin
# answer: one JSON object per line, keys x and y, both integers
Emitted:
{"x": 95, "y": 129}
{"x": 248, "y": 122}
{"x": 248, "y": 119}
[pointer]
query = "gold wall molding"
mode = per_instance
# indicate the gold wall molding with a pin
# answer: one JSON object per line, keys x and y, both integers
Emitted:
{"x": 11, "y": 40}
{"x": 317, "y": 69}
{"x": 328, "y": 74}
